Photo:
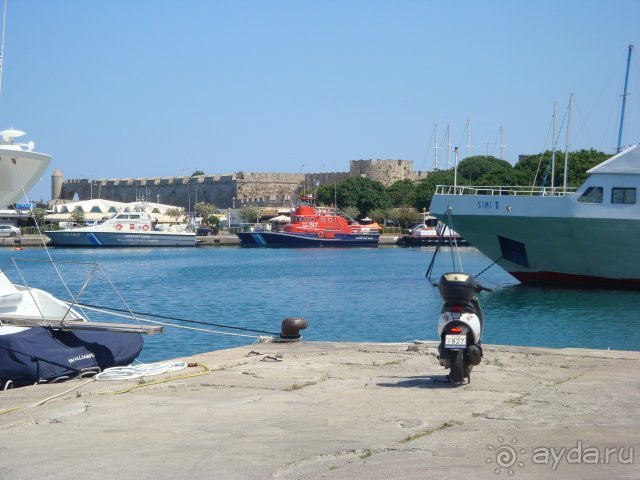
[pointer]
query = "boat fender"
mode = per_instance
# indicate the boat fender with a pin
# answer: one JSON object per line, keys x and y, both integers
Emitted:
{"x": 145, "y": 227}
{"x": 118, "y": 226}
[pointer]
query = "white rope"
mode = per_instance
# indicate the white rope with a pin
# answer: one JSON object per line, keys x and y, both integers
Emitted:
{"x": 138, "y": 371}
{"x": 166, "y": 324}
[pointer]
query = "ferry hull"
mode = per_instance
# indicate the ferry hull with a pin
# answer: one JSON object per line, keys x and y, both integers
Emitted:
{"x": 283, "y": 239}
{"x": 546, "y": 241}
{"x": 118, "y": 239}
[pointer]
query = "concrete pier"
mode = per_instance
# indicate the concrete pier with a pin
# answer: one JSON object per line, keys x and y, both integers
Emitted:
{"x": 336, "y": 411}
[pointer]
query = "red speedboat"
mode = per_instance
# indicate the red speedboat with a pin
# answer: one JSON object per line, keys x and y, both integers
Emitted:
{"x": 313, "y": 226}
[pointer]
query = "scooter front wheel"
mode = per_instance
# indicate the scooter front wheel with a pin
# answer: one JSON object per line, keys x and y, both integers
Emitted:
{"x": 456, "y": 373}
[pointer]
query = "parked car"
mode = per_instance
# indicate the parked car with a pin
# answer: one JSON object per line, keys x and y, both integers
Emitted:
{"x": 203, "y": 231}
{"x": 9, "y": 231}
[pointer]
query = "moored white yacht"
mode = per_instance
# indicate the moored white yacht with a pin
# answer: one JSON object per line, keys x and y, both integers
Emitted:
{"x": 43, "y": 338}
{"x": 20, "y": 166}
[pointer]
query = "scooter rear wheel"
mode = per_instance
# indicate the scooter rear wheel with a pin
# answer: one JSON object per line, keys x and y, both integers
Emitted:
{"x": 456, "y": 373}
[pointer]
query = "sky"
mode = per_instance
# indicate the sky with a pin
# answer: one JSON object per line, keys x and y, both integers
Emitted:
{"x": 159, "y": 88}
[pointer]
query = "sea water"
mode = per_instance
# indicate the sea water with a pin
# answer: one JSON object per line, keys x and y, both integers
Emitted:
{"x": 369, "y": 294}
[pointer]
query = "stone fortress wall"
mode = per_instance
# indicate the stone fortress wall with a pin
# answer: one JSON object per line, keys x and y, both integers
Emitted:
{"x": 227, "y": 191}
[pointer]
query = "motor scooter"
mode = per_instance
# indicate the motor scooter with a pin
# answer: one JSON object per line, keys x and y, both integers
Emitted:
{"x": 460, "y": 325}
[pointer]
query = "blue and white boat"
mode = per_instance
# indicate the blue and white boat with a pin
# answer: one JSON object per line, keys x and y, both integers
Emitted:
{"x": 313, "y": 226}
{"x": 130, "y": 229}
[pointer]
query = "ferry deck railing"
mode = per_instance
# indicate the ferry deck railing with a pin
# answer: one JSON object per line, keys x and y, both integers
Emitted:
{"x": 502, "y": 190}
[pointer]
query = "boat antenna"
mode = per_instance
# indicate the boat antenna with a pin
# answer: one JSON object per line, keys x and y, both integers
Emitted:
{"x": 624, "y": 96}
{"x": 4, "y": 17}
{"x": 566, "y": 151}
{"x": 502, "y": 145}
{"x": 455, "y": 170}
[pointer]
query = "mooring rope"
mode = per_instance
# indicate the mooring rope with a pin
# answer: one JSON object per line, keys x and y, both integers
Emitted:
{"x": 166, "y": 317}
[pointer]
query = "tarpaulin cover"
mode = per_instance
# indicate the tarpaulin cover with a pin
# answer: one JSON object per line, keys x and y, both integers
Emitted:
{"x": 39, "y": 354}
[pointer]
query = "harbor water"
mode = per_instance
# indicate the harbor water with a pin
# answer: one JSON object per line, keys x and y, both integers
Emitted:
{"x": 378, "y": 295}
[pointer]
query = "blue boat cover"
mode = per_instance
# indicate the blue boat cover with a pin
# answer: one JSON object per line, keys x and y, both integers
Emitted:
{"x": 40, "y": 354}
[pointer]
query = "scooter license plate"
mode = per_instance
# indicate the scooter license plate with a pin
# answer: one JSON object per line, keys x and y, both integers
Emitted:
{"x": 455, "y": 341}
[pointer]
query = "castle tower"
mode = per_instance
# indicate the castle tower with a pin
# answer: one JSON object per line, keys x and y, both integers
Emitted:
{"x": 56, "y": 184}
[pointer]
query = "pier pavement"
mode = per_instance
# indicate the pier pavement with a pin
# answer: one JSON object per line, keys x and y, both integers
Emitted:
{"x": 336, "y": 411}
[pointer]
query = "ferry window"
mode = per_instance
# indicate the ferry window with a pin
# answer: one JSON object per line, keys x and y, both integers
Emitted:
{"x": 134, "y": 217}
{"x": 96, "y": 209}
{"x": 330, "y": 219}
{"x": 591, "y": 195}
{"x": 123, "y": 217}
{"x": 626, "y": 196}
{"x": 322, "y": 219}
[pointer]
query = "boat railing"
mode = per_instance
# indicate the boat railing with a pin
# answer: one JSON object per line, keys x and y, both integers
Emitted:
{"x": 502, "y": 190}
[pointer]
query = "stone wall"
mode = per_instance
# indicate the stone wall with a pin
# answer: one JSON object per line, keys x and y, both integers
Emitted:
{"x": 386, "y": 172}
{"x": 233, "y": 190}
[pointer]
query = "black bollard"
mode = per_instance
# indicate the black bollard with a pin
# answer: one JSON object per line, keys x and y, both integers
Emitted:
{"x": 291, "y": 327}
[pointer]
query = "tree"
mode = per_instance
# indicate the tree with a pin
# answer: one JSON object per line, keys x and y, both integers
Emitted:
{"x": 38, "y": 215}
{"x": 197, "y": 173}
{"x": 214, "y": 223}
{"x": 405, "y": 216}
{"x": 176, "y": 213}
{"x": 401, "y": 193}
{"x": 427, "y": 187}
{"x": 362, "y": 193}
{"x": 250, "y": 213}
{"x": 351, "y": 212}
{"x": 536, "y": 169}
{"x": 379, "y": 215}
{"x": 77, "y": 216}
{"x": 205, "y": 210}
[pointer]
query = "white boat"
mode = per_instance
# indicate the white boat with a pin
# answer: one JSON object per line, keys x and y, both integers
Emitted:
{"x": 43, "y": 338}
{"x": 130, "y": 229}
{"x": 586, "y": 237}
{"x": 22, "y": 174}
{"x": 430, "y": 232}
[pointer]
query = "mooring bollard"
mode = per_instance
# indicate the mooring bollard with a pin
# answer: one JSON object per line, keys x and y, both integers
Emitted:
{"x": 291, "y": 327}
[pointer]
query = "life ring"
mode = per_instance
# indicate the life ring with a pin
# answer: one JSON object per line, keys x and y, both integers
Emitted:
{"x": 145, "y": 227}
{"x": 320, "y": 234}
{"x": 118, "y": 226}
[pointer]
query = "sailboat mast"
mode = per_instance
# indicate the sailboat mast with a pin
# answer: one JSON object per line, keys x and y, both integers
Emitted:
{"x": 468, "y": 137}
{"x": 4, "y": 17}
{"x": 502, "y": 145}
{"x": 553, "y": 148}
{"x": 435, "y": 134}
{"x": 624, "y": 98}
{"x": 566, "y": 151}
{"x": 448, "y": 147}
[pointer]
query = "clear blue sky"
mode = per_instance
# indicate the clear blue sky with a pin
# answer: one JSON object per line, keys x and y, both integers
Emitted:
{"x": 125, "y": 89}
